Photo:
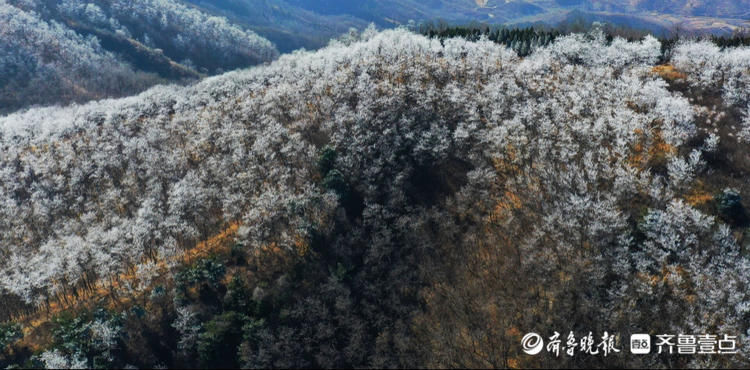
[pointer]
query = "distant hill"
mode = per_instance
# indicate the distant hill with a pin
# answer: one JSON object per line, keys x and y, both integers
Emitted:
{"x": 54, "y": 52}
{"x": 291, "y": 24}
{"x": 288, "y": 26}
{"x": 698, "y": 16}
{"x": 702, "y": 8}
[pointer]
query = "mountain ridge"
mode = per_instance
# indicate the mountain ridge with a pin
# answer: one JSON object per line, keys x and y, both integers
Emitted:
{"x": 292, "y": 24}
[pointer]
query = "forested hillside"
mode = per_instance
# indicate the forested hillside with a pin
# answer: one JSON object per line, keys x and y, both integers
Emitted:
{"x": 391, "y": 200}
{"x": 74, "y": 51}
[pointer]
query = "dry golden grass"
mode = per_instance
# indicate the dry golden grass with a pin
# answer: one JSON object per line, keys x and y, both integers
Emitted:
{"x": 115, "y": 290}
{"x": 668, "y": 72}
{"x": 698, "y": 197}
{"x": 650, "y": 150}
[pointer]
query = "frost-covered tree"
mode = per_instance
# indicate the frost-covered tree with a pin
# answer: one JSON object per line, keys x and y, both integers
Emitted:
{"x": 54, "y": 52}
{"x": 45, "y": 62}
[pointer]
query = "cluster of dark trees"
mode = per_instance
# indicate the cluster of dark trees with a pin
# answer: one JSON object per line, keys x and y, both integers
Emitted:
{"x": 523, "y": 40}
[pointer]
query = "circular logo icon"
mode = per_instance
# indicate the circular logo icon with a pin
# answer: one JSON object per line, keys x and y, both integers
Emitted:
{"x": 532, "y": 343}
